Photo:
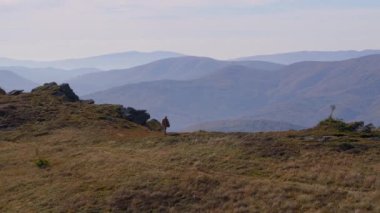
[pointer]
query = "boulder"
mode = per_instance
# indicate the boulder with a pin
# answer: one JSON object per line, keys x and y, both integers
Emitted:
{"x": 359, "y": 126}
{"x": 136, "y": 116}
{"x": 62, "y": 90}
{"x": 15, "y": 92}
{"x": 368, "y": 128}
{"x": 2, "y": 92}
{"x": 68, "y": 92}
{"x": 90, "y": 101}
{"x": 154, "y": 125}
{"x": 355, "y": 126}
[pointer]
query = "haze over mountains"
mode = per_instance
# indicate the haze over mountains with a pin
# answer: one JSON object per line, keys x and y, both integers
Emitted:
{"x": 300, "y": 93}
{"x": 193, "y": 90}
{"x": 105, "y": 62}
{"x": 180, "y": 68}
{"x": 10, "y": 81}
{"x": 294, "y": 57}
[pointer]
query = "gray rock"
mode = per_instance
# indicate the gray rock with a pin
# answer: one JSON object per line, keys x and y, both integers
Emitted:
{"x": 2, "y": 92}
{"x": 68, "y": 92}
{"x": 62, "y": 90}
{"x": 356, "y": 126}
{"x": 136, "y": 116}
{"x": 90, "y": 101}
{"x": 15, "y": 92}
{"x": 368, "y": 128}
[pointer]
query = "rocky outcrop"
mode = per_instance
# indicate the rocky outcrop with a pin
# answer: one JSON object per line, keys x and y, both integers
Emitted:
{"x": 90, "y": 101}
{"x": 359, "y": 126}
{"x": 136, "y": 116}
{"x": 2, "y": 92}
{"x": 62, "y": 90}
{"x": 51, "y": 97}
{"x": 15, "y": 92}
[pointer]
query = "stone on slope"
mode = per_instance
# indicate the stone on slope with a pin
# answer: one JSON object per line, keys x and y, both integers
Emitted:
{"x": 89, "y": 101}
{"x": 15, "y": 92}
{"x": 2, "y": 92}
{"x": 62, "y": 90}
{"x": 136, "y": 116}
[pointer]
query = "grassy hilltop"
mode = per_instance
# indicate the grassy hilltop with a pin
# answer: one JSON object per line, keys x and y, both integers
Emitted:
{"x": 97, "y": 161}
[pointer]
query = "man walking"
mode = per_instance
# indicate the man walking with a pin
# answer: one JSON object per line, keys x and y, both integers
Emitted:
{"x": 165, "y": 124}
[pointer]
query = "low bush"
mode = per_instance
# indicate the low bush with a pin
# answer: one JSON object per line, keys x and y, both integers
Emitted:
{"x": 42, "y": 163}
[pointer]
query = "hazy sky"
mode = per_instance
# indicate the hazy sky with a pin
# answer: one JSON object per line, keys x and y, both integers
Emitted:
{"x": 55, "y": 29}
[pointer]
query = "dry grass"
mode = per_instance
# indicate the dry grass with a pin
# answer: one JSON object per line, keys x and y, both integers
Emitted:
{"x": 111, "y": 165}
{"x": 97, "y": 170}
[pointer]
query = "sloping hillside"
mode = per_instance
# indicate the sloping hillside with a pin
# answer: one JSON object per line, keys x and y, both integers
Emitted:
{"x": 11, "y": 81}
{"x": 71, "y": 156}
{"x": 294, "y": 57}
{"x": 183, "y": 68}
{"x": 52, "y": 106}
{"x": 241, "y": 125}
{"x": 300, "y": 93}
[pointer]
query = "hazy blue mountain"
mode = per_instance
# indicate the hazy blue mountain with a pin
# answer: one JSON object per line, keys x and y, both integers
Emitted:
{"x": 228, "y": 93}
{"x": 294, "y": 57}
{"x": 105, "y": 62}
{"x": 43, "y": 75}
{"x": 299, "y": 94}
{"x": 11, "y": 81}
{"x": 181, "y": 68}
{"x": 243, "y": 125}
{"x": 310, "y": 87}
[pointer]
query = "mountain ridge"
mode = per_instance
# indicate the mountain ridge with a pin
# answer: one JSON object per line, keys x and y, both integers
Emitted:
{"x": 294, "y": 57}
{"x": 241, "y": 92}
{"x": 181, "y": 68}
{"x": 104, "y": 61}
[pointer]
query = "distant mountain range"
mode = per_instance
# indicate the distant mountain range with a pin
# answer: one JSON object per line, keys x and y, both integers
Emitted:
{"x": 300, "y": 93}
{"x": 10, "y": 81}
{"x": 241, "y": 125}
{"x": 294, "y": 57}
{"x": 192, "y": 90}
{"x": 180, "y": 68}
{"x": 105, "y": 62}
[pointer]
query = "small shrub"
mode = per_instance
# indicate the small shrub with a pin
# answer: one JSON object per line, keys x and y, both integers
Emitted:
{"x": 42, "y": 163}
{"x": 154, "y": 125}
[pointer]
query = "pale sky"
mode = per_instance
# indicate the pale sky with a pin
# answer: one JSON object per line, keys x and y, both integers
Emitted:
{"x": 57, "y": 29}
